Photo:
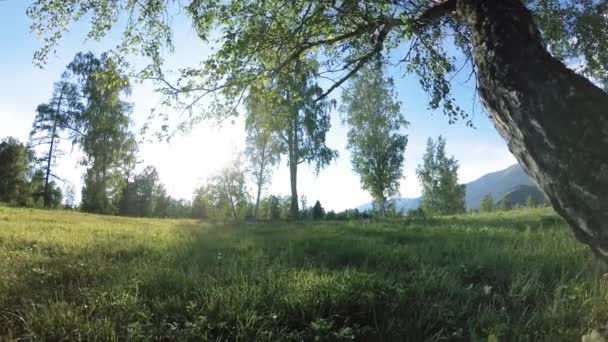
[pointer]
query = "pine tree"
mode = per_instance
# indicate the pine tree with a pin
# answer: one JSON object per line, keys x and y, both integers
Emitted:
{"x": 318, "y": 213}
{"x": 61, "y": 114}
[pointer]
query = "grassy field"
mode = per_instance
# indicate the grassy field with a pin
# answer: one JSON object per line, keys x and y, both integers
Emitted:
{"x": 516, "y": 276}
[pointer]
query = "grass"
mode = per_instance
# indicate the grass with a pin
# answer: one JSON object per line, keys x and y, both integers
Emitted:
{"x": 516, "y": 276}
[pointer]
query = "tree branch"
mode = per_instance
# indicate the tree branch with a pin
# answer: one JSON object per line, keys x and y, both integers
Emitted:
{"x": 433, "y": 13}
{"x": 437, "y": 11}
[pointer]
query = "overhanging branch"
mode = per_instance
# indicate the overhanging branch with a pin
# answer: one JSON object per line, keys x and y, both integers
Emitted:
{"x": 437, "y": 11}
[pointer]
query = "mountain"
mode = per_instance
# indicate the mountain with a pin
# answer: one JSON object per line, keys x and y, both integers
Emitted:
{"x": 402, "y": 204}
{"x": 519, "y": 195}
{"x": 496, "y": 184}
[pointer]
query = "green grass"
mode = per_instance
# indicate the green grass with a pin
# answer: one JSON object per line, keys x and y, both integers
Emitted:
{"x": 517, "y": 276}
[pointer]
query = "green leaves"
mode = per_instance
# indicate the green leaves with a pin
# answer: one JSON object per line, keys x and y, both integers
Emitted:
{"x": 254, "y": 40}
{"x": 106, "y": 140}
{"x": 375, "y": 137}
{"x": 438, "y": 175}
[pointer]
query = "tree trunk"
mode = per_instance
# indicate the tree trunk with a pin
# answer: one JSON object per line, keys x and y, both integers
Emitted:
{"x": 381, "y": 209}
{"x": 554, "y": 121}
{"x": 257, "y": 200}
{"x": 47, "y": 197}
{"x": 293, "y": 169}
{"x": 260, "y": 179}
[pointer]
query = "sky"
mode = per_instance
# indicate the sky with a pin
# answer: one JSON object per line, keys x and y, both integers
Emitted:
{"x": 189, "y": 159}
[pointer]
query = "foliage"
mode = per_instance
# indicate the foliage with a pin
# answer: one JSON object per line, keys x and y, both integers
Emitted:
{"x": 106, "y": 140}
{"x": 62, "y": 113}
{"x": 375, "y": 140}
{"x": 70, "y": 197}
{"x": 487, "y": 204}
{"x": 417, "y": 213}
{"x": 232, "y": 188}
{"x": 20, "y": 182}
{"x": 318, "y": 213}
{"x": 286, "y": 109}
{"x": 200, "y": 203}
{"x": 438, "y": 176}
{"x": 144, "y": 196}
{"x": 224, "y": 197}
{"x": 272, "y": 208}
{"x": 517, "y": 275}
{"x": 263, "y": 151}
{"x": 15, "y": 159}
{"x": 304, "y": 209}
{"x": 42, "y": 194}
{"x": 341, "y": 36}
{"x": 505, "y": 204}
{"x": 177, "y": 208}
{"x": 532, "y": 202}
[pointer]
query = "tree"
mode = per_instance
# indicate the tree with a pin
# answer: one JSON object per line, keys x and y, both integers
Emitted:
{"x": 318, "y": 213}
{"x": 144, "y": 196}
{"x": 15, "y": 159}
{"x": 200, "y": 203}
{"x": 539, "y": 106}
{"x": 38, "y": 188}
{"x": 274, "y": 208}
{"x": 70, "y": 196}
{"x": 106, "y": 140}
{"x": 178, "y": 208}
{"x": 353, "y": 214}
{"x": 487, "y": 204}
{"x": 506, "y": 204}
{"x": 149, "y": 192}
{"x": 60, "y": 114}
{"x": 286, "y": 107}
{"x": 227, "y": 192}
{"x": 375, "y": 141}
{"x": 303, "y": 207}
{"x": 532, "y": 202}
{"x": 262, "y": 151}
{"x": 438, "y": 175}
{"x": 232, "y": 182}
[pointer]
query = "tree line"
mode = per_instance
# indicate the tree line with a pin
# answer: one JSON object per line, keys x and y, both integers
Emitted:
{"x": 284, "y": 121}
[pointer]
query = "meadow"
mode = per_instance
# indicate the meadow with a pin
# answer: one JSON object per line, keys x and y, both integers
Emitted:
{"x": 514, "y": 276}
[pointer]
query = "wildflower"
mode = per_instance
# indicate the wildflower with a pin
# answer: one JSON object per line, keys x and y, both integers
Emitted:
{"x": 487, "y": 289}
{"x": 593, "y": 336}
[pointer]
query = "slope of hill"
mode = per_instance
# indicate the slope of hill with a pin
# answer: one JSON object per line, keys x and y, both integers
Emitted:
{"x": 403, "y": 204}
{"x": 496, "y": 184}
{"x": 520, "y": 194}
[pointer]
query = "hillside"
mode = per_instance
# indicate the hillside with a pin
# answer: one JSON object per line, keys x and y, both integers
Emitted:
{"x": 497, "y": 184}
{"x": 518, "y": 197}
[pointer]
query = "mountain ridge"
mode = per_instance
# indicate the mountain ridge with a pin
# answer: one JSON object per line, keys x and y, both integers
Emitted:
{"x": 496, "y": 184}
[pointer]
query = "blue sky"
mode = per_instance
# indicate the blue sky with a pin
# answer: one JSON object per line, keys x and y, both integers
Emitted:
{"x": 189, "y": 159}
